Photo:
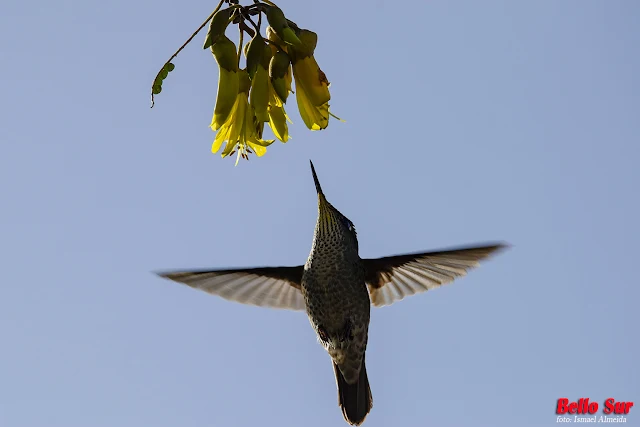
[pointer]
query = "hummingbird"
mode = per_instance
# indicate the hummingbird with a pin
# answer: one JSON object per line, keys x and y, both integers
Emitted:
{"x": 337, "y": 288}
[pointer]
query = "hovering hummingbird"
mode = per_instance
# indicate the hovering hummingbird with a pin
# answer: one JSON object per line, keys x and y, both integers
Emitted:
{"x": 337, "y": 288}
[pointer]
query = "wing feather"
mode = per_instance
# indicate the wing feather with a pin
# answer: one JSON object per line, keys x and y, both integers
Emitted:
{"x": 393, "y": 278}
{"x": 275, "y": 287}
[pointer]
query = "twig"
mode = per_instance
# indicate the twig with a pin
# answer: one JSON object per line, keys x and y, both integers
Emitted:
{"x": 184, "y": 45}
{"x": 248, "y": 18}
{"x": 247, "y": 29}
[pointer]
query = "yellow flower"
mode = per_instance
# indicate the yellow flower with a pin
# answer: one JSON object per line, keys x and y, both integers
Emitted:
{"x": 314, "y": 117}
{"x": 224, "y": 50}
{"x": 312, "y": 86}
{"x": 309, "y": 75}
{"x": 239, "y": 131}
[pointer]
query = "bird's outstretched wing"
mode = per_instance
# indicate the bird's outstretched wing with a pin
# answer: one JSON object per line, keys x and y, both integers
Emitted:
{"x": 275, "y": 287}
{"x": 390, "y": 279}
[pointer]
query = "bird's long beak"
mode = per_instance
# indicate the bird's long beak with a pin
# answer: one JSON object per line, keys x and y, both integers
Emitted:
{"x": 324, "y": 208}
{"x": 315, "y": 179}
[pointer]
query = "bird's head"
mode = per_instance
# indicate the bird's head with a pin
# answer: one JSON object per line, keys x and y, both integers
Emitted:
{"x": 331, "y": 223}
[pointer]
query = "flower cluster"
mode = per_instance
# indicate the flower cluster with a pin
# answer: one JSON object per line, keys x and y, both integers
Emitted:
{"x": 250, "y": 97}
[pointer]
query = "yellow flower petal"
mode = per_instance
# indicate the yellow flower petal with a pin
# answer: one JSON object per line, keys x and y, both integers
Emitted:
{"x": 221, "y": 136}
{"x": 226, "y": 97}
{"x": 278, "y": 117}
{"x": 260, "y": 151}
{"x": 315, "y": 118}
{"x": 259, "y": 97}
{"x": 278, "y": 122}
{"x": 223, "y": 132}
{"x": 314, "y": 82}
{"x": 236, "y": 126}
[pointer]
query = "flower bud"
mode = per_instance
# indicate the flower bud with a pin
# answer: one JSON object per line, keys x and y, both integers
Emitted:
{"x": 218, "y": 26}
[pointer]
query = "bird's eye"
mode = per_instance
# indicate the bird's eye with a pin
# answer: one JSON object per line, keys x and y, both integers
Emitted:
{"x": 347, "y": 223}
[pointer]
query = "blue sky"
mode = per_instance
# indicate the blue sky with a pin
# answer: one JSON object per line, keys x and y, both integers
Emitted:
{"x": 466, "y": 122}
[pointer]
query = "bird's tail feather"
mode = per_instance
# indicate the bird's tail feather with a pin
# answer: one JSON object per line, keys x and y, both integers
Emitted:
{"x": 354, "y": 399}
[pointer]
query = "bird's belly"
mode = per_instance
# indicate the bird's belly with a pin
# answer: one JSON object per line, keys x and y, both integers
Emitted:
{"x": 338, "y": 307}
{"x": 332, "y": 301}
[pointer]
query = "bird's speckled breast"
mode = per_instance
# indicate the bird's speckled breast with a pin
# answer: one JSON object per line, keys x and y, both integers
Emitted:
{"x": 333, "y": 286}
{"x": 336, "y": 297}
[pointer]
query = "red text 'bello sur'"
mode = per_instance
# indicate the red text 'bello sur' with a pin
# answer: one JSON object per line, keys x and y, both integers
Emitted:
{"x": 583, "y": 406}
